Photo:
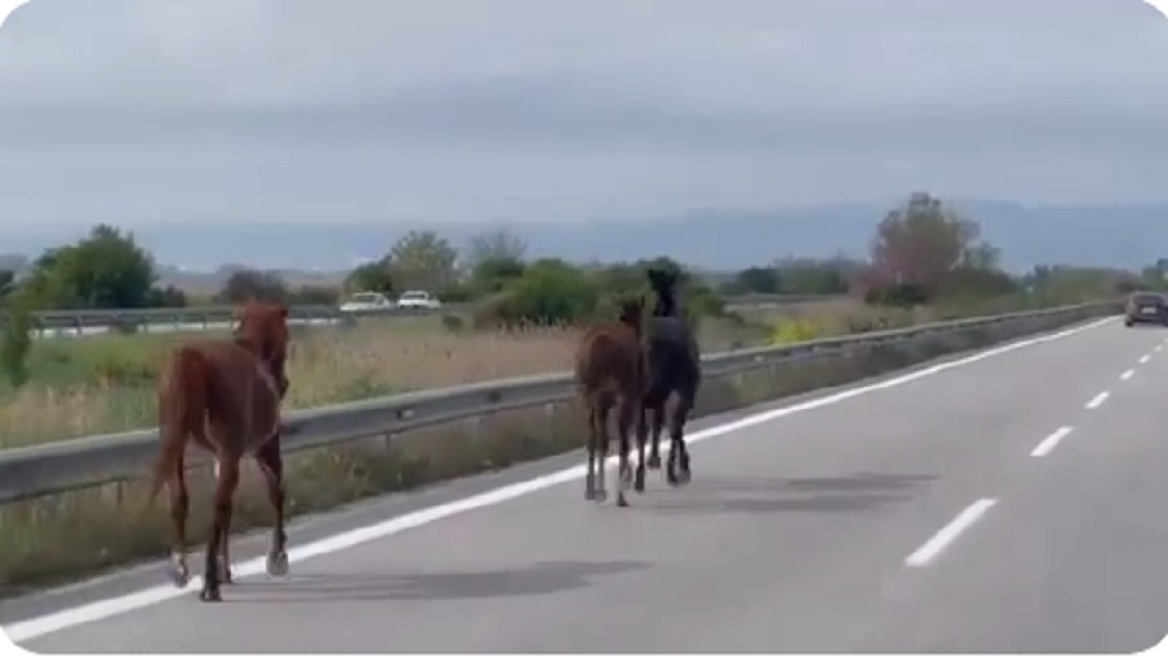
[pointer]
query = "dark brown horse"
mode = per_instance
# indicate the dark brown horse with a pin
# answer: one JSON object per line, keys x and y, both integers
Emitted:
{"x": 224, "y": 396}
{"x": 610, "y": 372}
{"x": 673, "y": 368}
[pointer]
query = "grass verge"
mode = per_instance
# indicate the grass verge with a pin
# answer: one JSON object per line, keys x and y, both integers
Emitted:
{"x": 105, "y": 383}
{"x": 56, "y": 539}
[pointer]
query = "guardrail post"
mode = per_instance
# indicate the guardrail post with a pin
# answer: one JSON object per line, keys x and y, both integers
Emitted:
{"x": 78, "y": 326}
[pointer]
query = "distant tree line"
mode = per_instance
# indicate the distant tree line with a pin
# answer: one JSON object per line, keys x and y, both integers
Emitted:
{"x": 921, "y": 251}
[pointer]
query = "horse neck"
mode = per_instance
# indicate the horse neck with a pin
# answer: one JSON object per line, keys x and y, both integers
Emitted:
{"x": 632, "y": 324}
{"x": 665, "y": 307}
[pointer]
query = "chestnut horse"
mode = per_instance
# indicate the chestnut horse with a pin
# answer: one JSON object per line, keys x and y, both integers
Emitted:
{"x": 673, "y": 368}
{"x": 610, "y": 370}
{"x": 224, "y": 396}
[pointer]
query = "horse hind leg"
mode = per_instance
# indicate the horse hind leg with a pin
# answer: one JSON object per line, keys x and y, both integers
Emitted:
{"x": 225, "y": 575}
{"x": 180, "y": 503}
{"x": 654, "y": 404}
{"x": 603, "y": 412}
{"x": 592, "y": 446}
{"x": 642, "y": 438}
{"x": 628, "y": 407}
{"x": 678, "y": 471}
{"x": 271, "y": 462}
{"x": 228, "y": 480}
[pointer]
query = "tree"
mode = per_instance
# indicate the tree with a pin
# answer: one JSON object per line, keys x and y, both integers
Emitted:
{"x": 491, "y": 275}
{"x": 498, "y": 245}
{"x": 167, "y": 297}
{"x": 249, "y": 284}
{"x": 16, "y": 341}
{"x": 758, "y": 280}
{"x": 7, "y": 285}
{"x": 371, "y": 277}
{"x": 423, "y": 260}
{"x": 922, "y": 242}
{"x": 810, "y": 276}
{"x": 105, "y": 270}
{"x": 315, "y": 295}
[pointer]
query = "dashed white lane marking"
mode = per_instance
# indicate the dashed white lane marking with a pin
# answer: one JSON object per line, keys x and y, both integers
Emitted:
{"x": 943, "y": 538}
{"x": 1127, "y": 374}
{"x": 1047, "y": 445}
{"x": 1097, "y": 400}
{"x": 144, "y": 598}
{"x": 1144, "y": 360}
{"x": 1158, "y": 348}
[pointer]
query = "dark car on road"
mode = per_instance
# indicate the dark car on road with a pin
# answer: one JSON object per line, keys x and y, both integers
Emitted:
{"x": 1146, "y": 307}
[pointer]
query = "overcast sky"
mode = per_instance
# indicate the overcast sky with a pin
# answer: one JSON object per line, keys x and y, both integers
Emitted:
{"x": 141, "y": 111}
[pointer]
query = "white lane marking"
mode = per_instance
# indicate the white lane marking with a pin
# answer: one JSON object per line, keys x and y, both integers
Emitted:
{"x": 1047, "y": 445}
{"x": 1097, "y": 400}
{"x": 1158, "y": 348}
{"x": 104, "y": 608}
{"x": 1144, "y": 360}
{"x": 1127, "y": 374}
{"x": 943, "y": 538}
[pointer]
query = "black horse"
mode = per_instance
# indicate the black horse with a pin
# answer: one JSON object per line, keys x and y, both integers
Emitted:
{"x": 673, "y": 367}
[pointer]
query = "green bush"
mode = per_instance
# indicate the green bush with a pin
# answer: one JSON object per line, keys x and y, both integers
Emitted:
{"x": 17, "y": 342}
{"x": 551, "y": 291}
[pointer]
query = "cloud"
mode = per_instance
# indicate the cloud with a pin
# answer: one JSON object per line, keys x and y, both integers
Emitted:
{"x": 152, "y": 109}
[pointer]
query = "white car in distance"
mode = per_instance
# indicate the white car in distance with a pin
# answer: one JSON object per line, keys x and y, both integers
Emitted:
{"x": 366, "y": 301}
{"x": 418, "y": 300}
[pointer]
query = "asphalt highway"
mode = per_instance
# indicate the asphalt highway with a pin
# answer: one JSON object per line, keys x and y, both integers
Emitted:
{"x": 1002, "y": 502}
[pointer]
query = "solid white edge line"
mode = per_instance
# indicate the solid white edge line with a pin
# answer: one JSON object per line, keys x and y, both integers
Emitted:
{"x": 104, "y": 608}
{"x": 950, "y": 532}
{"x": 1097, "y": 400}
{"x": 1047, "y": 445}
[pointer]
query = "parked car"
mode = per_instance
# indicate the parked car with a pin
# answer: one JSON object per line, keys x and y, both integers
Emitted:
{"x": 1146, "y": 307}
{"x": 366, "y": 301}
{"x": 418, "y": 300}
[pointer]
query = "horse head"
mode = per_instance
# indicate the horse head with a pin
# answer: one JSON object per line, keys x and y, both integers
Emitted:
{"x": 632, "y": 310}
{"x": 663, "y": 282}
{"x": 263, "y": 330}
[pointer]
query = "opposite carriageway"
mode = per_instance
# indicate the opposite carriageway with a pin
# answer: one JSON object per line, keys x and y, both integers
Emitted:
{"x": 803, "y": 530}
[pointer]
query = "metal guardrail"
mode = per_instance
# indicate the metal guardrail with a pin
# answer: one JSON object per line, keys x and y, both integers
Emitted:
{"x": 90, "y": 461}
{"x": 87, "y": 322}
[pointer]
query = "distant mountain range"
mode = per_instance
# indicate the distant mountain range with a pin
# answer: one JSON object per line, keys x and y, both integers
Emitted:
{"x": 1128, "y": 236}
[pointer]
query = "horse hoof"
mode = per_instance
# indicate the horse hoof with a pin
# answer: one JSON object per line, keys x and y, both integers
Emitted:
{"x": 622, "y": 502}
{"x": 684, "y": 476}
{"x": 278, "y": 564}
{"x": 179, "y": 577}
{"x": 211, "y": 596}
{"x": 654, "y": 461}
{"x": 639, "y": 481}
{"x": 671, "y": 474}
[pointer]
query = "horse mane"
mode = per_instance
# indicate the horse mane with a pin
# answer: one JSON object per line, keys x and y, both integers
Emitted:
{"x": 631, "y": 311}
{"x": 664, "y": 283}
{"x": 257, "y": 323}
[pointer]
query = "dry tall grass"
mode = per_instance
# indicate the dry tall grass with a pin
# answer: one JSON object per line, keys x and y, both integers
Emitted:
{"x": 106, "y": 383}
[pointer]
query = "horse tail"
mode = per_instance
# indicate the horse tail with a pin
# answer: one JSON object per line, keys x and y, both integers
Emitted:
{"x": 182, "y": 406}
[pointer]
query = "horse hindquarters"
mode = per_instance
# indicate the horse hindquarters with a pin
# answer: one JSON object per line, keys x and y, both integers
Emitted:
{"x": 182, "y": 408}
{"x": 673, "y": 369}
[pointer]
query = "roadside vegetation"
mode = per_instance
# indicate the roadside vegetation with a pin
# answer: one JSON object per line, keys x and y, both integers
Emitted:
{"x": 925, "y": 264}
